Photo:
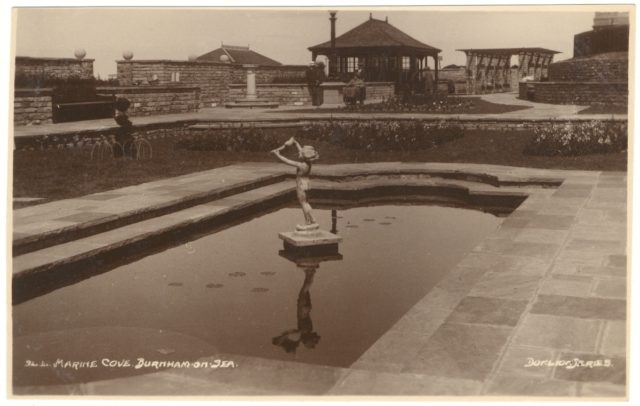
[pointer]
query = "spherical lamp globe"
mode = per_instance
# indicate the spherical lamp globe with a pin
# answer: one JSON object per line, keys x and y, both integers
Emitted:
{"x": 224, "y": 58}
{"x": 127, "y": 55}
{"x": 79, "y": 53}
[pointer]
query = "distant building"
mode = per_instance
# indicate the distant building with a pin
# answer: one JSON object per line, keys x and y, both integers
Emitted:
{"x": 237, "y": 55}
{"x": 382, "y": 51}
{"x": 598, "y": 73}
{"x": 489, "y": 70}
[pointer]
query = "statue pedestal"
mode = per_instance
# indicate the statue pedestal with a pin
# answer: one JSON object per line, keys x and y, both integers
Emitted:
{"x": 332, "y": 92}
{"x": 310, "y": 240}
{"x": 252, "y": 99}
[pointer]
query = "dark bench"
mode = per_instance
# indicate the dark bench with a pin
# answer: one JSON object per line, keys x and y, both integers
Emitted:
{"x": 83, "y": 110}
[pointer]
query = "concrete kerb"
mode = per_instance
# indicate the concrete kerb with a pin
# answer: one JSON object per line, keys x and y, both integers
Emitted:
{"x": 344, "y": 173}
{"x": 59, "y": 236}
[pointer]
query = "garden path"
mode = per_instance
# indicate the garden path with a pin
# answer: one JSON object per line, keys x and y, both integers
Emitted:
{"x": 537, "y": 112}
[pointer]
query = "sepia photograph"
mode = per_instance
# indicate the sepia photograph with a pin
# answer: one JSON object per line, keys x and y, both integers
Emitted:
{"x": 320, "y": 202}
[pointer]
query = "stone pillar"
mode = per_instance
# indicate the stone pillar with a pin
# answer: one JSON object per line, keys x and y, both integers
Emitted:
{"x": 251, "y": 81}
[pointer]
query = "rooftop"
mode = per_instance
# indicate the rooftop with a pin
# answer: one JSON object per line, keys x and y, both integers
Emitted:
{"x": 509, "y": 51}
{"x": 238, "y": 55}
{"x": 375, "y": 33}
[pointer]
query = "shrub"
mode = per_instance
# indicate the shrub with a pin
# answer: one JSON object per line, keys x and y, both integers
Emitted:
{"x": 416, "y": 104}
{"x": 572, "y": 139}
{"x": 383, "y": 135}
{"x": 230, "y": 139}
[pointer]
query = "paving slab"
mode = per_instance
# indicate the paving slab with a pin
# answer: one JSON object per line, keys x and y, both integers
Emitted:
{"x": 553, "y": 332}
{"x": 614, "y": 339}
{"x": 583, "y": 307}
{"x": 500, "y": 305}
{"x": 519, "y": 360}
{"x": 528, "y": 386}
{"x": 459, "y": 350}
{"x": 370, "y": 383}
{"x": 483, "y": 310}
{"x": 606, "y": 368}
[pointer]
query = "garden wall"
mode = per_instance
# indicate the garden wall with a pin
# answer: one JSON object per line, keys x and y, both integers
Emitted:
{"x": 284, "y": 94}
{"x": 610, "y": 67}
{"x": 272, "y": 74}
{"x": 458, "y": 77}
{"x": 32, "y": 106}
{"x": 580, "y": 93}
{"x": 55, "y": 68}
{"x": 295, "y": 93}
{"x": 380, "y": 90}
{"x": 152, "y": 100}
{"x": 213, "y": 78}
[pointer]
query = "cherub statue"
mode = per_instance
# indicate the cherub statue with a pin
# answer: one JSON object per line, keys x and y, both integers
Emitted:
{"x": 307, "y": 154}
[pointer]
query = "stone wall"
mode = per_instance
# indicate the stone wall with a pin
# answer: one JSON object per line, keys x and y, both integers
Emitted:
{"x": 580, "y": 93}
{"x": 605, "y": 39}
{"x": 611, "y": 67}
{"x": 459, "y": 78}
{"x": 380, "y": 90}
{"x": 284, "y": 94}
{"x": 32, "y": 106}
{"x": 272, "y": 74}
{"x": 213, "y": 78}
{"x": 298, "y": 94}
{"x": 456, "y": 76}
{"x": 152, "y": 100}
{"x": 57, "y": 68}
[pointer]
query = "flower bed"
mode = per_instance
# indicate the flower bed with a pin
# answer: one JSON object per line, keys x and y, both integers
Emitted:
{"x": 572, "y": 139}
{"x": 415, "y": 104}
{"x": 383, "y": 135}
{"x": 375, "y": 135}
{"x": 248, "y": 139}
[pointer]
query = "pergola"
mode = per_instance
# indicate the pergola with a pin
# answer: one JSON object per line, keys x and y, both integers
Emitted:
{"x": 489, "y": 69}
{"x": 385, "y": 53}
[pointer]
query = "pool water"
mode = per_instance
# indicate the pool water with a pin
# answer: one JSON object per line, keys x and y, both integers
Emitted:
{"x": 231, "y": 292}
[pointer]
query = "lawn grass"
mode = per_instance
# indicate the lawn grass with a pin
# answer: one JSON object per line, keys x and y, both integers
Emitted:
{"x": 472, "y": 105}
{"x": 605, "y": 109}
{"x": 64, "y": 173}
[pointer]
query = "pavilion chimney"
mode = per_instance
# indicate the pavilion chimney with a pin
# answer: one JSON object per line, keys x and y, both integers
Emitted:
{"x": 332, "y": 58}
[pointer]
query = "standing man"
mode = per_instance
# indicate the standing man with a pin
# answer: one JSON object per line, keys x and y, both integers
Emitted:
{"x": 311, "y": 74}
{"x": 320, "y": 78}
{"x": 315, "y": 76}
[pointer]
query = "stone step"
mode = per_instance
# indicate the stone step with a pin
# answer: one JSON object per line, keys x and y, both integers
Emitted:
{"x": 251, "y": 104}
{"x": 58, "y": 222}
{"x": 47, "y": 268}
{"x": 81, "y": 258}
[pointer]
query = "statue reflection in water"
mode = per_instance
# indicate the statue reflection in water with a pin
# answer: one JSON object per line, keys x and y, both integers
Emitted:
{"x": 290, "y": 340}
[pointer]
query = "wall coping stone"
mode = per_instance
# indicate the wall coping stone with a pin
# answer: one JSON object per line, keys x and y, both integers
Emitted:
{"x": 41, "y": 91}
{"x": 577, "y": 83}
{"x": 36, "y": 59}
{"x": 146, "y": 89}
{"x": 179, "y": 62}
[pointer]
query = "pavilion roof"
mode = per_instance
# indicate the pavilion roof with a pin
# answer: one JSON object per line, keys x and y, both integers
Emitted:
{"x": 375, "y": 33}
{"x": 509, "y": 51}
{"x": 238, "y": 55}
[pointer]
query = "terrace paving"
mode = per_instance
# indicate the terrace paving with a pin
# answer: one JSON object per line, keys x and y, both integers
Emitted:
{"x": 538, "y": 111}
{"x": 548, "y": 285}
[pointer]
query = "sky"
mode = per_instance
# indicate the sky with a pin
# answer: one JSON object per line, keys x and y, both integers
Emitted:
{"x": 283, "y": 34}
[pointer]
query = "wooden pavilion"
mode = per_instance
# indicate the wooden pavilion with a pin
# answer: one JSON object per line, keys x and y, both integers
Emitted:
{"x": 489, "y": 69}
{"x": 383, "y": 52}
